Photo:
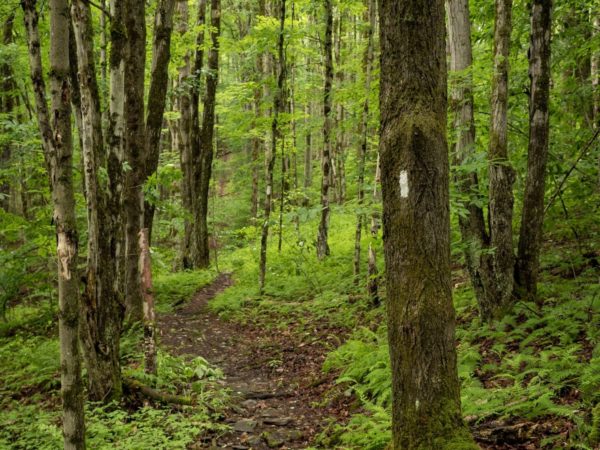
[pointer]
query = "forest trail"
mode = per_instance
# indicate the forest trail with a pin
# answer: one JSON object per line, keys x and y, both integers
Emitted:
{"x": 277, "y": 385}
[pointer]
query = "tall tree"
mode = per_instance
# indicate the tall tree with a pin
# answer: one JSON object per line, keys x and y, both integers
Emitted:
{"x": 472, "y": 224}
{"x": 426, "y": 411}
{"x": 271, "y": 152}
{"x": 55, "y": 125}
{"x": 134, "y": 145}
{"x": 157, "y": 96}
{"x": 364, "y": 138}
{"x": 501, "y": 174}
{"x": 102, "y": 300}
{"x": 204, "y": 141}
{"x": 322, "y": 235}
{"x": 532, "y": 219}
{"x": 7, "y": 105}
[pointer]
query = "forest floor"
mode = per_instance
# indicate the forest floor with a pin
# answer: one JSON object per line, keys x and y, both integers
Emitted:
{"x": 280, "y": 397}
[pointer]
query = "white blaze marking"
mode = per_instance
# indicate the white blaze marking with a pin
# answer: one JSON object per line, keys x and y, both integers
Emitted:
{"x": 403, "y": 184}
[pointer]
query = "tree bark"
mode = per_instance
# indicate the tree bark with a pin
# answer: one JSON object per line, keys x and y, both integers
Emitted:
{"x": 364, "y": 131}
{"x": 426, "y": 410}
{"x": 532, "y": 218}
{"x": 157, "y": 96}
{"x": 322, "y": 236}
{"x": 373, "y": 278}
{"x": 183, "y": 128}
{"x": 145, "y": 265}
{"x": 308, "y": 156}
{"x": 595, "y": 76}
{"x": 271, "y": 153}
{"x": 472, "y": 223}
{"x": 59, "y": 145}
{"x": 205, "y": 143}
{"x": 501, "y": 175}
{"x": 7, "y": 104}
{"x": 102, "y": 301}
{"x": 134, "y": 144}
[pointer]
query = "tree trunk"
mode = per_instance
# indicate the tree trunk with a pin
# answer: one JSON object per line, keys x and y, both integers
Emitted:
{"x": 183, "y": 128}
{"x": 373, "y": 278}
{"x": 205, "y": 143}
{"x": 364, "y": 131}
{"x": 532, "y": 218}
{"x": 157, "y": 96}
{"x": 135, "y": 140}
{"x": 149, "y": 316}
{"x": 102, "y": 303}
{"x": 595, "y": 75}
{"x": 271, "y": 153}
{"x": 60, "y": 166}
{"x": 426, "y": 410}
{"x": 501, "y": 175}
{"x": 472, "y": 224}
{"x": 322, "y": 236}
{"x": 308, "y": 157}
{"x": 7, "y": 104}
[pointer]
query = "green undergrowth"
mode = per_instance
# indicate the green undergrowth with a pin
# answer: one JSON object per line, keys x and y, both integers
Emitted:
{"x": 539, "y": 364}
{"x": 534, "y": 365}
{"x": 174, "y": 288}
{"x": 299, "y": 289}
{"x": 30, "y": 415}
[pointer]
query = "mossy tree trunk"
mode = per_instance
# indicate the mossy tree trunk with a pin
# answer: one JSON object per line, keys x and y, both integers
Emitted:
{"x": 532, "y": 218}
{"x": 7, "y": 106}
{"x": 499, "y": 295}
{"x": 472, "y": 224}
{"x": 134, "y": 144}
{"x": 102, "y": 300}
{"x": 55, "y": 125}
{"x": 205, "y": 143}
{"x": 157, "y": 96}
{"x": 323, "y": 232}
{"x": 426, "y": 411}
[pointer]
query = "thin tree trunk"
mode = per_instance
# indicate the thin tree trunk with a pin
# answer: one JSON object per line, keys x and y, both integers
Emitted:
{"x": 532, "y": 218}
{"x": 102, "y": 304}
{"x": 157, "y": 96}
{"x": 595, "y": 75}
{"x": 472, "y": 225}
{"x": 308, "y": 157}
{"x": 322, "y": 236}
{"x": 256, "y": 139}
{"x": 364, "y": 130}
{"x": 135, "y": 142}
{"x": 206, "y": 137}
{"x": 373, "y": 278}
{"x": 60, "y": 165}
{"x": 149, "y": 315}
{"x": 426, "y": 410}
{"x": 195, "y": 136}
{"x": 184, "y": 126}
{"x": 270, "y": 155}
{"x": 7, "y": 104}
{"x": 501, "y": 176}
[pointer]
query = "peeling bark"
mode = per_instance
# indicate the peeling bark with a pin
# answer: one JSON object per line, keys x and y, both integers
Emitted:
{"x": 55, "y": 126}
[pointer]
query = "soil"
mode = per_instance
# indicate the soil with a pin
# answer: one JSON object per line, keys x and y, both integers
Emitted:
{"x": 281, "y": 398}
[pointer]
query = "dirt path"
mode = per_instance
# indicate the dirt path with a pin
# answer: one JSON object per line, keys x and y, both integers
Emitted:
{"x": 275, "y": 375}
